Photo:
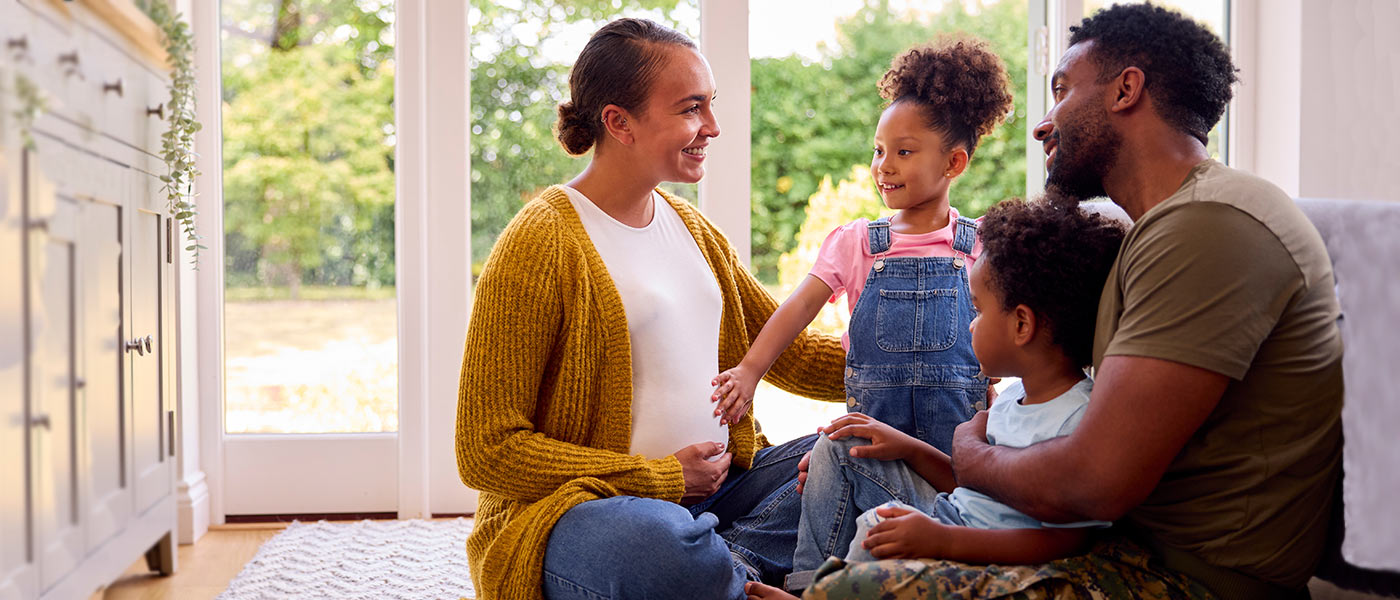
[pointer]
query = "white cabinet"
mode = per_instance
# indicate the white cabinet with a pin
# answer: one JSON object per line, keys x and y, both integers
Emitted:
{"x": 87, "y": 467}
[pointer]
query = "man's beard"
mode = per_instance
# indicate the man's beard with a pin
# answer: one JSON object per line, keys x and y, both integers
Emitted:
{"x": 1083, "y": 158}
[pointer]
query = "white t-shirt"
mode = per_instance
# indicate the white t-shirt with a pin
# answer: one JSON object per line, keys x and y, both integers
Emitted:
{"x": 673, "y": 308}
{"x": 1016, "y": 425}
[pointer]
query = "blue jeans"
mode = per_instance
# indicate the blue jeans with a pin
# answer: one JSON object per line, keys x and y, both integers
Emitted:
{"x": 627, "y": 547}
{"x": 839, "y": 488}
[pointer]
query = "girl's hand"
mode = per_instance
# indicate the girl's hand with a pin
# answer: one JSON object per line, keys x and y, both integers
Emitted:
{"x": 886, "y": 442}
{"x": 906, "y": 534}
{"x": 734, "y": 393}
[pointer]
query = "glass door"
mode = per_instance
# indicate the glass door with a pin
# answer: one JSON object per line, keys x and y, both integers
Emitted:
{"x": 311, "y": 333}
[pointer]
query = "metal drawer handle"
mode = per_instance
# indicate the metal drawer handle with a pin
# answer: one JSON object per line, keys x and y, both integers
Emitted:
{"x": 135, "y": 344}
{"x": 40, "y": 421}
{"x": 71, "y": 59}
{"x": 113, "y": 87}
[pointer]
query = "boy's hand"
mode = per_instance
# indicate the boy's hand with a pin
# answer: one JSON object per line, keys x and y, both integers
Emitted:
{"x": 734, "y": 393}
{"x": 886, "y": 442}
{"x": 906, "y": 534}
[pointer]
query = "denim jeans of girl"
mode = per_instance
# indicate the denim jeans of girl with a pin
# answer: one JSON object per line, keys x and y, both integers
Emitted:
{"x": 628, "y": 547}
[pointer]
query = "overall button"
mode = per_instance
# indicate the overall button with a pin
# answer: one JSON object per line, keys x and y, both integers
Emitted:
{"x": 851, "y": 402}
{"x": 850, "y": 371}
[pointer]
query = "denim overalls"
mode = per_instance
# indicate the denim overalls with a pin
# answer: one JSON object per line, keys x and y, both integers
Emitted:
{"x": 910, "y": 363}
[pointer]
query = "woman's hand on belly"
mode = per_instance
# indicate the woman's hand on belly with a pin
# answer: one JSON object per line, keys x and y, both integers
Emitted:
{"x": 704, "y": 469}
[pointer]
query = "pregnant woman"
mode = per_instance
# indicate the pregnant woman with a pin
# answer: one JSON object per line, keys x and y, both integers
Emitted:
{"x": 603, "y": 314}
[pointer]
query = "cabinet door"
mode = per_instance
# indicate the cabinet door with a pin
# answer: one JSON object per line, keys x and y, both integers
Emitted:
{"x": 103, "y": 343}
{"x": 54, "y": 367}
{"x": 146, "y": 254}
{"x": 17, "y": 566}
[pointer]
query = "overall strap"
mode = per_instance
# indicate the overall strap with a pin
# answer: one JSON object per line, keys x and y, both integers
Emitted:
{"x": 965, "y": 237}
{"x": 878, "y": 232}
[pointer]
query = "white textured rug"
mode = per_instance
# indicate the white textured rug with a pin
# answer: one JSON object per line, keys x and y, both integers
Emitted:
{"x": 369, "y": 559}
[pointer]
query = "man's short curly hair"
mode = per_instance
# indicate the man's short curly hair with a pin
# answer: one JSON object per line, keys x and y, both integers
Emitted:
{"x": 1187, "y": 68}
{"x": 959, "y": 82}
{"x": 1054, "y": 258}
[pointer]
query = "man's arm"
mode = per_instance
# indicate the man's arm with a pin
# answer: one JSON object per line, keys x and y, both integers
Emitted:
{"x": 1142, "y": 412}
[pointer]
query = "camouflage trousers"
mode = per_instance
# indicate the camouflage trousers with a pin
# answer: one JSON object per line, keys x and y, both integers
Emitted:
{"x": 1113, "y": 568}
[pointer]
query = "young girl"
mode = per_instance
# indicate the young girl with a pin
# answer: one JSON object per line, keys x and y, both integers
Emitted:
{"x": 909, "y": 358}
{"x": 1036, "y": 290}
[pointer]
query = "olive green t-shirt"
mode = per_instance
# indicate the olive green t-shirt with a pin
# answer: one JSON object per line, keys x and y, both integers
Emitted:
{"x": 1229, "y": 276}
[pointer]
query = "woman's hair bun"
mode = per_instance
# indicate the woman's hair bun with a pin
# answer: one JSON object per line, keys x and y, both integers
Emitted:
{"x": 574, "y": 130}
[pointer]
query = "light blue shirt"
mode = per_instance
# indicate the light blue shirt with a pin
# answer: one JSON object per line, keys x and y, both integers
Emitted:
{"x": 1016, "y": 425}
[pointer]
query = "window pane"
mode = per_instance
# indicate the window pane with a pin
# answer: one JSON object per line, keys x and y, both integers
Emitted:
{"x": 815, "y": 106}
{"x": 1214, "y": 14}
{"x": 520, "y": 58}
{"x": 308, "y": 123}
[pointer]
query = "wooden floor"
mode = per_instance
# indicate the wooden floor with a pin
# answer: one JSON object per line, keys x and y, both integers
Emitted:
{"x": 204, "y": 569}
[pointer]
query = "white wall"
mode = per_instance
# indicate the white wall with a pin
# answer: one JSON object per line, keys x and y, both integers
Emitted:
{"x": 1326, "y": 86}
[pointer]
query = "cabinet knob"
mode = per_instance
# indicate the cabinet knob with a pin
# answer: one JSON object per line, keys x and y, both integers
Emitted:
{"x": 19, "y": 46}
{"x": 158, "y": 111}
{"x": 70, "y": 64}
{"x": 40, "y": 421}
{"x": 148, "y": 341}
{"x": 113, "y": 87}
{"x": 135, "y": 345}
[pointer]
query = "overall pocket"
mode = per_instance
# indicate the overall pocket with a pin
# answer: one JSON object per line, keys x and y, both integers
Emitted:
{"x": 916, "y": 320}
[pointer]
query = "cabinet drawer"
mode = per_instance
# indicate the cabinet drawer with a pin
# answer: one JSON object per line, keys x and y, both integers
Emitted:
{"x": 119, "y": 86}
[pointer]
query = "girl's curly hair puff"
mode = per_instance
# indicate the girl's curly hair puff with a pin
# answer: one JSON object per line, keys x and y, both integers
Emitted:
{"x": 959, "y": 82}
{"x": 1054, "y": 258}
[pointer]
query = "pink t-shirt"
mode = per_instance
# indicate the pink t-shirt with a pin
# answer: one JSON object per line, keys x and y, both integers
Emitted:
{"x": 844, "y": 260}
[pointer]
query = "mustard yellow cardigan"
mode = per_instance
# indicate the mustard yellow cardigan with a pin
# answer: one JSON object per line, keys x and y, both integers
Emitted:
{"x": 545, "y": 398}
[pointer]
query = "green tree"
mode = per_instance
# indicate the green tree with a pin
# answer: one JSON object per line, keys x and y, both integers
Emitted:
{"x": 308, "y": 142}
{"x": 813, "y": 120}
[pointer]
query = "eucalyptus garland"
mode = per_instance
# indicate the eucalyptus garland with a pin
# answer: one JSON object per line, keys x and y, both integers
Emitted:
{"x": 177, "y": 143}
{"x": 32, "y": 104}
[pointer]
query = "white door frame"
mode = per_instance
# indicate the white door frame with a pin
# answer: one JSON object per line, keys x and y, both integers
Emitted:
{"x": 434, "y": 248}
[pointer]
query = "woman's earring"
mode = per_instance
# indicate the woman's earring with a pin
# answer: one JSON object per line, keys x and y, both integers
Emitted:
{"x": 948, "y": 174}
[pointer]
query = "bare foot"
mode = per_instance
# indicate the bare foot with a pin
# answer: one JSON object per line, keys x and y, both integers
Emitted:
{"x": 759, "y": 591}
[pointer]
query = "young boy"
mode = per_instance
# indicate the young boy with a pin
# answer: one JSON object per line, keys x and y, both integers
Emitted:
{"x": 1036, "y": 290}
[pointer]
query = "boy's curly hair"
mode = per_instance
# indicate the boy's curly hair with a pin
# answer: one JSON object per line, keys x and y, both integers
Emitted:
{"x": 959, "y": 82}
{"x": 1054, "y": 258}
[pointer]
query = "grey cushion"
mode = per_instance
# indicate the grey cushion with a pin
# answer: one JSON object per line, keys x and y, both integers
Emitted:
{"x": 1361, "y": 238}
